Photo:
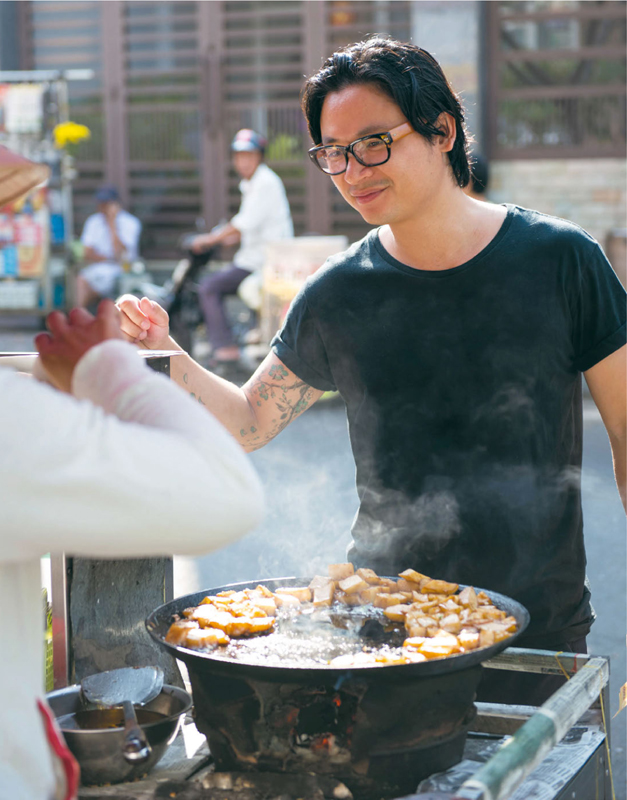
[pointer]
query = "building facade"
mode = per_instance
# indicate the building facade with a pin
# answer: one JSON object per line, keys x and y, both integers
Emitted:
{"x": 543, "y": 84}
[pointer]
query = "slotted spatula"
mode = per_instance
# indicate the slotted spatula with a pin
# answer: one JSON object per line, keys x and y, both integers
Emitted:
{"x": 127, "y": 687}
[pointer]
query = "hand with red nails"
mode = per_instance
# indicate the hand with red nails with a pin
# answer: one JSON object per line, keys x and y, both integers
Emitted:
{"x": 145, "y": 323}
{"x": 71, "y": 337}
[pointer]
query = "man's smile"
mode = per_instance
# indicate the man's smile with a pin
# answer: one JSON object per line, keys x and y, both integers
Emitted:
{"x": 364, "y": 196}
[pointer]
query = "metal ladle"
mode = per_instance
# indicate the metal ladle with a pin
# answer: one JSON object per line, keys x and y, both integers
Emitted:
{"x": 126, "y": 687}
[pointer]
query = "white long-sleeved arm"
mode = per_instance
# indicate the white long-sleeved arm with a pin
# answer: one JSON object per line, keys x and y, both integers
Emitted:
{"x": 132, "y": 467}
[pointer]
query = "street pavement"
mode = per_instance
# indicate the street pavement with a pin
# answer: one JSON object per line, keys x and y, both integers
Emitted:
{"x": 308, "y": 473}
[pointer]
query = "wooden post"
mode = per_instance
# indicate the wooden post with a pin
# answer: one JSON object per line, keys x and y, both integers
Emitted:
{"x": 114, "y": 98}
{"x": 319, "y": 186}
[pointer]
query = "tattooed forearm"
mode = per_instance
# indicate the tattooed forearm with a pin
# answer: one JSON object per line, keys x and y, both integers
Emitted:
{"x": 280, "y": 400}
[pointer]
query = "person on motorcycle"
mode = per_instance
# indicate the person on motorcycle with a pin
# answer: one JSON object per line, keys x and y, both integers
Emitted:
{"x": 263, "y": 216}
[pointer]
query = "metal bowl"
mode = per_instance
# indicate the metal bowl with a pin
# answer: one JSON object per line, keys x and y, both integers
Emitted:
{"x": 98, "y": 750}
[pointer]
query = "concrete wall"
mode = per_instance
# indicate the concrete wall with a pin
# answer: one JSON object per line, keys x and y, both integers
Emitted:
{"x": 590, "y": 192}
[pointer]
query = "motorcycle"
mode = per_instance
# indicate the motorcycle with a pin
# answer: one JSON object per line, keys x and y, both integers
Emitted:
{"x": 180, "y": 300}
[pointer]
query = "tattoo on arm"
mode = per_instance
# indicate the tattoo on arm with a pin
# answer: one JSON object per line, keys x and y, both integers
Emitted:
{"x": 288, "y": 398}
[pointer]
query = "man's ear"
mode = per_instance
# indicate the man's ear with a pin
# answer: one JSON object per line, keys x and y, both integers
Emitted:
{"x": 446, "y": 123}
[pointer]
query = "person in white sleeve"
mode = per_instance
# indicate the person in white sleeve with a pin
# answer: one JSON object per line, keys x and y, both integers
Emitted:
{"x": 115, "y": 461}
{"x": 263, "y": 216}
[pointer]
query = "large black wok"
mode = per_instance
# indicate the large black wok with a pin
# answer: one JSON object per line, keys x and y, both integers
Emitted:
{"x": 160, "y": 619}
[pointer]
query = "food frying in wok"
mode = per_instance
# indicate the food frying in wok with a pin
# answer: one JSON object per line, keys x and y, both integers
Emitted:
{"x": 435, "y": 618}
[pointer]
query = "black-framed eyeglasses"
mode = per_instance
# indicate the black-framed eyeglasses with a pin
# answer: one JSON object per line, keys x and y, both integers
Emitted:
{"x": 369, "y": 151}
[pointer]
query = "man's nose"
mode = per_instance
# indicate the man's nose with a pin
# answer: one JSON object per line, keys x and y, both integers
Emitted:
{"x": 354, "y": 170}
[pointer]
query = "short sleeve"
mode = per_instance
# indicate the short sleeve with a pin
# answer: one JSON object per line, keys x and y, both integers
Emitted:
{"x": 89, "y": 237}
{"x": 300, "y": 347}
{"x": 599, "y": 310}
{"x": 257, "y": 204}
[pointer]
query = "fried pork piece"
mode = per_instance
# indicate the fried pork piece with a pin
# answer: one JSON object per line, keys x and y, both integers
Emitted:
{"x": 323, "y": 595}
{"x": 319, "y": 581}
{"x": 201, "y": 638}
{"x": 209, "y": 616}
{"x": 352, "y": 584}
{"x": 413, "y": 576}
{"x": 267, "y": 605}
{"x": 442, "y": 644}
{"x": 396, "y": 613}
{"x": 451, "y": 623}
{"x": 178, "y": 631}
{"x": 468, "y": 638}
{"x": 369, "y": 575}
{"x": 246, "y": 626}
{"x": 468, "y": 597}
{"x": 384, "y": 600}
{"x": 403, "y": 585}
{"x": 285, "y": 600}
{"x": 439, "y": 587}
{"x": 301, "y": 593}
{"x": 338, "y": 572}
{"x": 367, "y": 596}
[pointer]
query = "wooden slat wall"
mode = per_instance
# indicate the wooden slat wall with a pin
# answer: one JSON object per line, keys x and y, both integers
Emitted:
{"x": 545, "y": 98}
{"x": 262, "y": 69}
{"x": 162, "y": 84}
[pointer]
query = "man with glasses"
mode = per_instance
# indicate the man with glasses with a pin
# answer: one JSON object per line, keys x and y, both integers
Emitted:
{"x": 456, "y": 331}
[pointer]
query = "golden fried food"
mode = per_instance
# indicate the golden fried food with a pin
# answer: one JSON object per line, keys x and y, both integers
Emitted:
{"x": 439, "y": 620}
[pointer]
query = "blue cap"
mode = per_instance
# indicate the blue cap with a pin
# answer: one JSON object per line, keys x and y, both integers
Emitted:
{"x": 107, "y": 194}
{"x": 247, "y": 141}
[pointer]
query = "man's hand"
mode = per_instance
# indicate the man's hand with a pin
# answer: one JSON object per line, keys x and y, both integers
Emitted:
{"x": 202, "y": 242}
{"x": 71, "y": 337}
{"x": 145, "y": 323}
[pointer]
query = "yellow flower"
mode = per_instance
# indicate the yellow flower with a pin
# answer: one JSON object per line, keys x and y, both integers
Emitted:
{"x": 69, "y": 133}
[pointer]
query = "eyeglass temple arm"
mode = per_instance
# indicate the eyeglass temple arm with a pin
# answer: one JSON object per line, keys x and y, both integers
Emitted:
{"x": 401, "y": 130}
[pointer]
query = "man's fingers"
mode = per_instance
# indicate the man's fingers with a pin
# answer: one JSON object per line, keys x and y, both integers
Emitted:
{"x": 80, "y": 316}
{"x": 129, "y": 306}
{"x": 154, "y": 312}
{"x": 43, "y": 343}
{"x": 57, "y": 324}
{"x": 108, "y": 310}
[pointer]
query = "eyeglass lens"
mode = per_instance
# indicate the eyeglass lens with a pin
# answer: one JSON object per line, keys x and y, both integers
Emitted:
{"x": 369, "y": 152}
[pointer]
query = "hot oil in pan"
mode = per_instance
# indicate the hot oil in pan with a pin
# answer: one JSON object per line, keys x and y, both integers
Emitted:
{"x": 314, "y": 636}
{"x": 98, "y": 719}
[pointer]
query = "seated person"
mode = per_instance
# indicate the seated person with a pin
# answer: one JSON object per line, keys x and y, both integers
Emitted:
{"x": 110, "y": 237}
{"x": 263, "y": 216}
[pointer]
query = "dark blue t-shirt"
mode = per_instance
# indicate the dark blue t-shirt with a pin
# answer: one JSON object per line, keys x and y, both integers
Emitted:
{"x": 463, "y": 394}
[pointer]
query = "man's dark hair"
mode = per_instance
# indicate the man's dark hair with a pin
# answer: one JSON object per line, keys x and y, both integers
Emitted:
{"x": 409, "y": 75}
{"x": 479, "y": 173}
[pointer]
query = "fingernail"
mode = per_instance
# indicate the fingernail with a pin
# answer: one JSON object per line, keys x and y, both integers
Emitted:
{"x": 142, "y": 335}
{"x": 144, "y": 324}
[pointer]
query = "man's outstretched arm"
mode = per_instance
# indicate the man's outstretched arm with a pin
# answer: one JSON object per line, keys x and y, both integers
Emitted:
{"x": 255, "y": 413}
{"x": 607, "y": 381}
